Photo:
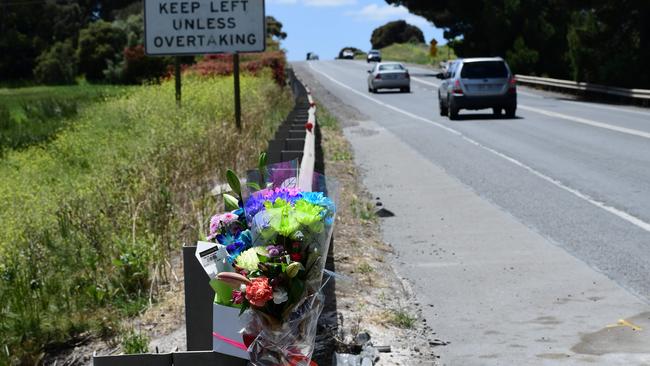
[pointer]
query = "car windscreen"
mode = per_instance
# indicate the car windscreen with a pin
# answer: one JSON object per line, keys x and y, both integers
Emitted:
{"x": 391, "y": 67}
{"x": 484, "y": 70}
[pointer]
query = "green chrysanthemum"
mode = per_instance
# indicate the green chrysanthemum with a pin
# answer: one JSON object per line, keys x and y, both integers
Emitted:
{"x": 249, "y": 259}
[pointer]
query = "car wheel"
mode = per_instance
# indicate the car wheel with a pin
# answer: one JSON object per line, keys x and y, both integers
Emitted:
{"x": 453, "y": 112}
{"x": 443, "y": 108}
{"x": 407, "y": 89}
{"x": 496, "y": 111}
{"x": 511, "y": 112}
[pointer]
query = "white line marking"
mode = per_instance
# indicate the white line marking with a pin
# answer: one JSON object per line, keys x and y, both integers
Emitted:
{"x": 585, "y": 121}
{"x": 614, "y": 211}
{"x": 425, "y": 82}
{"x": 609, "y": 108}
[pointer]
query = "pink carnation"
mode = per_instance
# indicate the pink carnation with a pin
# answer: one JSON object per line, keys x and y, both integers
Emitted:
{"x": 218, "y": 221}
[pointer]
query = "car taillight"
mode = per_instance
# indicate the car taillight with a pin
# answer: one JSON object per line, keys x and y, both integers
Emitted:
{"x": 512, "y": 85}
{"x": 457, "y": 88}
{"x": 378, "y": 77}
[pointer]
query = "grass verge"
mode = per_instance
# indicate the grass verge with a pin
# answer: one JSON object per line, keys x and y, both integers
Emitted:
{"x": 90, "y": 220}
{"x": 33, "y": 115}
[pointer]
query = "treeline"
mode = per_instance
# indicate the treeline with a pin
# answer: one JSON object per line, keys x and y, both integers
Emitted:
{"x": 599, "y": 41}
{"x": 55, "y": 42}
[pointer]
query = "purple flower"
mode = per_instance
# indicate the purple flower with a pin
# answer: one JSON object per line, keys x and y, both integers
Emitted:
{"x": 255, "y": 202}
{"x": 274, "y": 250}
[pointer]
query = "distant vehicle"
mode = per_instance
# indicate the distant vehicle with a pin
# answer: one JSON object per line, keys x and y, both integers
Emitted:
{"x": 348, "y": 54}
{"x": 389, "y": 75}
{"x": 477, "y": 83}
{"x": 374, "y": 55}
{"x": 312, "y": 56}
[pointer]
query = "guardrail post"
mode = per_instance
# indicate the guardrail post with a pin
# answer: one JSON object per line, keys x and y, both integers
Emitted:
{"x": 199, "y": 297}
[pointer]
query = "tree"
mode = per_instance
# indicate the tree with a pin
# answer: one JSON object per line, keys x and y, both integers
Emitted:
{"x": 610, "y": 43}
{"x": 274, "y": 28}
{"x": 57, "y": 65}
{"x": 99, "y": 44}
{"x": 354, "y": 50}
{"x": 493, "y": 27}
{"x": 29, "y": 28}
{"x": 396, "y": 32}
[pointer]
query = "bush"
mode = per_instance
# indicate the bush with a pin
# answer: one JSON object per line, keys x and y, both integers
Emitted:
{"x": 138, "y": 67}
{"x": 99, "y": 43}
{"x": 396, "y": 32}
{"x": 522, "y": 60}
{"x": 252, "y": 63}
{"x": 57, "y": 65}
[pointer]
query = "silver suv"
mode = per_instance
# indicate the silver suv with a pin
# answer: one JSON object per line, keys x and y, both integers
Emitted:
{"x": 477, "y": 83}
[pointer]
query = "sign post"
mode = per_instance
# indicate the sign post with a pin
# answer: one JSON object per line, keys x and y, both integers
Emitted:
{"x": 196, "y": 27}
{"x": 235, "y": 68}
{"x": 177, "y": 79}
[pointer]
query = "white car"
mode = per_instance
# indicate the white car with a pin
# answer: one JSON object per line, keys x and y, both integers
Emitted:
{"x": 348, "y": 54}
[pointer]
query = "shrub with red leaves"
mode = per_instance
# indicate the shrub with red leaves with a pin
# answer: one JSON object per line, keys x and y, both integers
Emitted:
{"x": 253, "y": 63}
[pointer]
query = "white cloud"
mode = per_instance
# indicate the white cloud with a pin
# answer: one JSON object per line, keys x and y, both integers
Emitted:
{"x": 374, "y": 12}
{"x": 330, "y": 3}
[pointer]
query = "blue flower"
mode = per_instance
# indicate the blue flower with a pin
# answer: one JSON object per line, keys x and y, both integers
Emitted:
{"x": 235, "y": 244}
{"x": 319, "y": 199}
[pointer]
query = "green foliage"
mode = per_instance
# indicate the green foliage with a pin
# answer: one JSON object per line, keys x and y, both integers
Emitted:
{"x": 99, "y": 44}
{"x": 27, "y": 28}
{"x": 416, "y": 53}
{"x": 595, "y": 33}
{"x": 274, "y": 28}
{"x": 402, "y": 319}
{"x": 90, "y": 220}
{"x": 396, "y": 32}
{"x": 57, "y": 65}
{"x": 521, "y": 58}
{"x": 598, "y": 41}
{"x": 34, "y": 115}
{"x": 135, "y": 342}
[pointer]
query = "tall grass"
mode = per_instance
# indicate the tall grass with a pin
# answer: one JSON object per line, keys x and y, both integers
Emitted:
{"x": 33, "y": 115}
{"x": 90, "y": 220}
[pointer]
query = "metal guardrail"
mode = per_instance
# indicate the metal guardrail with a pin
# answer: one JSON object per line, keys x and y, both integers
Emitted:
{"x": 585, "y": 87}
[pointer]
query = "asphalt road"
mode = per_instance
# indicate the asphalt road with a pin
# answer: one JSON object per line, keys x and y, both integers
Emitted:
{"x": 566, "y": 185}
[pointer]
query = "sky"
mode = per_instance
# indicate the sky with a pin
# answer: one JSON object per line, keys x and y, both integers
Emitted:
{"x": 326, "y": 26}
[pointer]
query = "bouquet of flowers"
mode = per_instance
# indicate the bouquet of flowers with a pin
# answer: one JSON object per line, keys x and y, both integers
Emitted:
{"x": 276, "y": 243}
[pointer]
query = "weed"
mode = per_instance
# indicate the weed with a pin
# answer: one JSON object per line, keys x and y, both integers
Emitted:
{"x": 135, "y": 342}
{"x": 363, "y": 209}
{"x": 402, "y": 319}
{"x": 365, "y": 268}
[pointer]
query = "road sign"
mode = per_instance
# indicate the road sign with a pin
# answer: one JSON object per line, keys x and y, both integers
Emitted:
{"x": 194, "y": 27}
